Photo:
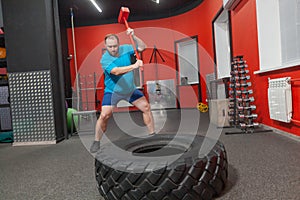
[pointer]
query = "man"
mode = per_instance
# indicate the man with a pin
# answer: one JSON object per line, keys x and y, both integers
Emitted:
{"x": 119, "y": 83}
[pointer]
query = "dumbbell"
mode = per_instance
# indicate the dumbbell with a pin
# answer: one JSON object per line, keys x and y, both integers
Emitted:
{"x": 250, "y": 99}
{"x": 247, "y": 84}
{"x": 240, "y": 66}
{"x": 243, "y": 108}
{"x": 245, "y": 126}
{"x": 252, "y": 116}
{"x": 239, "y": 62}
{"x": 239, "y": 92}
{"x": 231, "y": 113}
{"x": 243, "y": 71}
{"x": 234, "y": 72}
{"x": 235, "y": 78}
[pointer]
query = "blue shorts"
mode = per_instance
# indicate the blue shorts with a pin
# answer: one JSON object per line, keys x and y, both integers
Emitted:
{"x": 111, "y": 99}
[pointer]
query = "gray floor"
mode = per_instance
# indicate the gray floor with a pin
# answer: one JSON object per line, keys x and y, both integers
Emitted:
{"x": 261, "y": 165}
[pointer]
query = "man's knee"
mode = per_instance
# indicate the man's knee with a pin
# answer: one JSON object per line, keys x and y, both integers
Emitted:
{"x": 105, "y": 115}
{"x": 146, "y": 107}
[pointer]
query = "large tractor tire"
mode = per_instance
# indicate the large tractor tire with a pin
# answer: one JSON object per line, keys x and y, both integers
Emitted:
{"x": 192, "y": 176}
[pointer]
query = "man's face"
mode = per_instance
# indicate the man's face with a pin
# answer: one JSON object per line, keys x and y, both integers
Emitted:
{"x": 112, "y": 46}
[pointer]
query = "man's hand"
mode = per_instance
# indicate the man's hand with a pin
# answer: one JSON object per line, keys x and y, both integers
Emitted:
{"x": 138, "y": 42}
{"x": 137, "y": 64}
{"x": 130, "y": 31}
{"x": 123, "y": 70}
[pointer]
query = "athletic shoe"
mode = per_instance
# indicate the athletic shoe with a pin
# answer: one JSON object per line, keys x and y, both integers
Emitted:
{"x": 95, "y": 147}
{"x": 151, "y": 134}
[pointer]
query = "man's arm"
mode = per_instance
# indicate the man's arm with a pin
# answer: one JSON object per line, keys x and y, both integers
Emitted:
{"x": 123, "y": 70}
{"x": 138, "y": 42}
{"x": 141, "y": 46}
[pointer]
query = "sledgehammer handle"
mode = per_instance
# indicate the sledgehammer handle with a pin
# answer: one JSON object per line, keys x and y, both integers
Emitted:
{"x": 132, "y": 42}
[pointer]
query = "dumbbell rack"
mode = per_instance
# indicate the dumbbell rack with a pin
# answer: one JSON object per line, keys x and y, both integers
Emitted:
{"x": 241, "y": 102}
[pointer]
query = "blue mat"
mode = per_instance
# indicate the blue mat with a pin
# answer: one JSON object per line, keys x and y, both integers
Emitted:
{"x": 6, "y": 137}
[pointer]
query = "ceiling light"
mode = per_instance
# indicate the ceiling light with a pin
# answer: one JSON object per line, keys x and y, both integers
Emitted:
{"x": 156, "y": 1}
{"x": 96, "y": 6}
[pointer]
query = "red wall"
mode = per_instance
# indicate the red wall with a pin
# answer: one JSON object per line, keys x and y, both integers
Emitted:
{"x": 89, "y": 43}
{"x": 162, "y": 33}
{"x": 245, "y": 42}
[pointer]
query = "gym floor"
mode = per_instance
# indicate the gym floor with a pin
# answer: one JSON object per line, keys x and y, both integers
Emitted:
{"x": 262, "y": 165}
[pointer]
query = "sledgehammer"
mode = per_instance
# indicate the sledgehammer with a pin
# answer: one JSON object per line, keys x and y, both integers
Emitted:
{"x": 123, "y": 16}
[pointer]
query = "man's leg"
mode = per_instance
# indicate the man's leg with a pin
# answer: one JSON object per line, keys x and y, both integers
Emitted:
{"x": 101, "y": 125}
{"x": 143, "y": 105}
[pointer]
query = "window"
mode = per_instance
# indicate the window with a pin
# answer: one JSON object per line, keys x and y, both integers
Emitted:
{"x": 278, "y": 25}
{"x": 289, "y": 12}
{"x": 187, "y": 51}
{"x": 222, "y": 45}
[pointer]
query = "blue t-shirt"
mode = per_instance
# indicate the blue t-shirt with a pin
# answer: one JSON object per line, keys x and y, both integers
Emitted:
{"x": 123, "y": 84}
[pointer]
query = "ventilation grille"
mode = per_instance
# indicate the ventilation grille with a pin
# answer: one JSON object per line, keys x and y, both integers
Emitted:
{"x": 280, "y": 99}
{"x": 31, "y": 105}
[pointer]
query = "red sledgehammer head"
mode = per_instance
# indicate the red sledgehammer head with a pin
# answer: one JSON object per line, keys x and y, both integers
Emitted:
{"x": 123, "y": 15}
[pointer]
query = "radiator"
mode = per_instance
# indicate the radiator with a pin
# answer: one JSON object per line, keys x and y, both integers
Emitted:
{"x": 280, "y": 99}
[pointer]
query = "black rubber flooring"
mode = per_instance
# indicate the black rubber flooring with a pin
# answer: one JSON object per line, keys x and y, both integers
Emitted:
{"x": 262, "y": 165}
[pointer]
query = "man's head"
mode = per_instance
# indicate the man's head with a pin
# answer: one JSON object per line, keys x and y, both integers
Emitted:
{"x": 112, "y": 44}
